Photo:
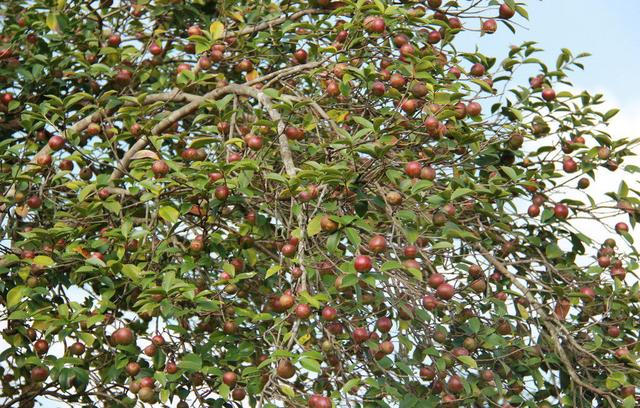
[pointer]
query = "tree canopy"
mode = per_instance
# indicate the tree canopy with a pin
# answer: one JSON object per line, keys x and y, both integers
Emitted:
{"x": 288, "y": 203}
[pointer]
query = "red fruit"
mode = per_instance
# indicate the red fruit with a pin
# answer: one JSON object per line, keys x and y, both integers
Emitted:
{"x": 56, "y": 143}
{"x": 103, "y": 193}
{"x": 445, "y": 291}
{"x": 378, "y": 88}
{"x": 329, "y": 313}
{"x": 435, "y": 280}
{"x": 122, "y": 336}
{"x": 222, "y": 192}
{"x": 43, "y": 159}
{"x": 147, "y": 382}
{"x": 387, "y": 347}
{"x": 473, "y": 109}
{"x": 41, "y": 347}
{"x": 160, "y": 168}
{"x": 362, "y": 263}
{"x": 238, "y": 394}
{"x": 183, "y": 68}
{"x": 384, "y": 324}
{"x": 300, "y": 56}
{"x": 589, "y": 294}
{"x": 360, "y": 335}
{"x": 428, "y": 373}
{"x": 413, "y": 169}
{"x": 489, "y": 26}
{"x": 621, "y": 227}
{"x": 455, "y": 385}
{"x": 194, "y": 30}
{"x": 132, "y": 369}
{"x": 374, "y": 25}
{"x": 506, "y": 12}
{"x": 613, "y": 331}
{"x": 230, "y": 378}
{"x": 171, "y": 367}
{"x": 561, "y": 211}
{"x": 34, "y": 202}
{"x": 150, "y": 350}
{"x": 303, "y": 311}
{"x": 155, "y": 49}
{"x": 434, "y": 37}
{"x": 569, "y": 165}
{"x": 397, "y": 81}
{"x": 39, "y": 373}
{"x": 477, "y": 70}
{"x": 548, "y": 94}
{"x": 66, "y": 165}
{"x": 114, "y": 40}
{"x": 158, "y": 340}
{"x": 255, "y": 142}
{"x": 533, "y": 210}
{"x": 377, "y": 244}
{"x": 289, "y": 250}
{"x": 429, "y": 302}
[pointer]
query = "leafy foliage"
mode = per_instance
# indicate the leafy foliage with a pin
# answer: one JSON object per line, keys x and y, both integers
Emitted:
{"x": 295, "y": 203}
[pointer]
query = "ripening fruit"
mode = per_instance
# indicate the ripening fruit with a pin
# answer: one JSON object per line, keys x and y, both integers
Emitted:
{"x": 533, "y": 210}
{"x": 384, "y": 324}
{"x": 221, "y": 192}
{"x": 435, "y": 280}
{"x": 489, "y": 26}
{"x": 548, "y": 94}
{"x": 506, "y": 12}
{"x": 122, "y": 336}
{"x": 39, "y": 373}
{"x": 362, "y": 263}
{"x": 303, "y": 311}
{"x": 377, "y": 244}
{"x": 34, "y": 202}
{"x": 413, "y": 169}
{"x": 77, "y": 348}
{"x": 328, "y": 225}
{"x": 477, "y": 70}
{"x": 473, "y": 109}
{"x": 41, "y": 347}
{"x": 56, "y": 143}
{"x": 622, "y": 227}
{"x": 285, "y": 369}
{"x": 132, "y": 368}
{"x": 360, "y": 335}
{"x": 445, "y": 291}
{"x": 588, "y": 294}
{"x": 329, "y": 313}
{"x": 374, "y": 25}
{"x": 561, "y": 211}
{"x": 569, "y": 165}
{"x": 230, "y": 378}
{"x": 160, "y": 168}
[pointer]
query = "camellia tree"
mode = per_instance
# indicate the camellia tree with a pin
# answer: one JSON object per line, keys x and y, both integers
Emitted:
{"x": 288, "y": 203}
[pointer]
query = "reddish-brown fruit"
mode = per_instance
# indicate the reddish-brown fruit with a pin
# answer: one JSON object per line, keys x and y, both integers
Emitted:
{"x": 362, "y": 263}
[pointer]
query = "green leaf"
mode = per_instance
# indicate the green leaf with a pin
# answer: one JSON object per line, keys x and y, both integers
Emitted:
{"x": 553, "y": 251}
{"x": 217, "y": 30}
{"x": 313, "y": 228}
{"x": 288, "y": 391}
{"x": 468, "y": 361}
{"x": 460, "y": 192}
{"x": 190, "y": 362}
{"x": 16, "y": 294}
{"x": 169, "y": 214}
{"x": 131, "y": 271}
{"x": 272, "y": 271}
{"x": 112, "y": 206}
{"x": 43, "y": 260}
{"x": 311, "y": 365}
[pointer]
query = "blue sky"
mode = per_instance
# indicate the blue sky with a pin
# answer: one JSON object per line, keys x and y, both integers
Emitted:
{"x": 607, "y": 29}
